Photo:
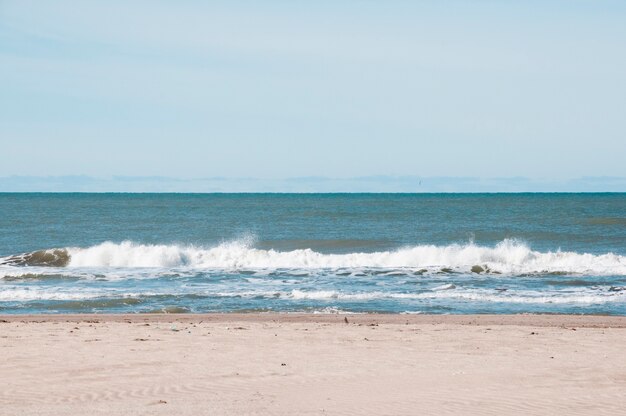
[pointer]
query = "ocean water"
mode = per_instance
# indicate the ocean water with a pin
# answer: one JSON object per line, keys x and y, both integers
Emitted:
{"x": 391, "y": 253}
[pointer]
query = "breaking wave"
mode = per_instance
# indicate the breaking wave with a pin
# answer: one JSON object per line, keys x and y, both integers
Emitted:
{"x": 507, "y": 257}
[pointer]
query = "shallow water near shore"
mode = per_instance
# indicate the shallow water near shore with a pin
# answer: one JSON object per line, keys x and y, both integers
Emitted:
{"x": 389, "y": 253}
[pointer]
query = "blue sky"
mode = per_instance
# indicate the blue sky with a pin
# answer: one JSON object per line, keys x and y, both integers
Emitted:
{"x": 328, "y": 89}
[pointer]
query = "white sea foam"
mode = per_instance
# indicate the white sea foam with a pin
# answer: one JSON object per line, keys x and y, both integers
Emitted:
{"x": 449, "y": 286}
{"x": 509, "y": 257}
{"x": 27, "y": 294}
{"x": 583, "y": 297}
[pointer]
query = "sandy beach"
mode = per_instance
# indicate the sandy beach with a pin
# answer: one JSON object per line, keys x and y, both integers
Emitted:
{"x": 236, "y": 364}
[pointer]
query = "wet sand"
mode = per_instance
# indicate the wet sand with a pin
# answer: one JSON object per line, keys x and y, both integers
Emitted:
{"x": 284, "y": 364}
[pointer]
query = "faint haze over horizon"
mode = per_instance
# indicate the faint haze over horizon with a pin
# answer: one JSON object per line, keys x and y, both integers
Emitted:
{"x": 317, "y": 184}
{"x": 313, "y": 96}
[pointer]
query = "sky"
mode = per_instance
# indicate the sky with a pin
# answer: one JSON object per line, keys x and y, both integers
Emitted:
{"x": 316, "y": 95}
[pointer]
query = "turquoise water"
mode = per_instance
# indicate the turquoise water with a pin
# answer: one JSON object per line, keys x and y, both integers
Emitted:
{"x": 414, "y": 253}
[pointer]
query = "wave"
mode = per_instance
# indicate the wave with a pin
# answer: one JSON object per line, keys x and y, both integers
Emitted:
{"x": 56, "y": 257}
{"x": 481, "y": 296}
{"x": 587, "y": 297}
{"x": 507, "y": 257}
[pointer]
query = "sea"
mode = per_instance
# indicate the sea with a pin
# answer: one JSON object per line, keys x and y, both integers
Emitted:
{"x": 316, "y": 253}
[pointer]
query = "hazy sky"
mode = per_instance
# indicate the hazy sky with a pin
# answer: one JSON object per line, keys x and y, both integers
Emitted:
{"x": 278, "y": 89}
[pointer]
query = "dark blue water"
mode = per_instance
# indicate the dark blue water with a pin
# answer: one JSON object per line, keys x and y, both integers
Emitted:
{"x": 414, "y": 253}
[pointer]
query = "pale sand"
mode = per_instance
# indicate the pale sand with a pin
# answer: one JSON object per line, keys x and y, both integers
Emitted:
{"x": 312, "y": 364}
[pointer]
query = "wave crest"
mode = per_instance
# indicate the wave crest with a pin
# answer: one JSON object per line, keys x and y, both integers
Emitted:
{"x": 508, "y": 257}
{"x": 56, "y": 257}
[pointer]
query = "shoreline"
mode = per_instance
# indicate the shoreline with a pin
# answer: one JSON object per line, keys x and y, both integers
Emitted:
{"x": 540, "y": 320}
